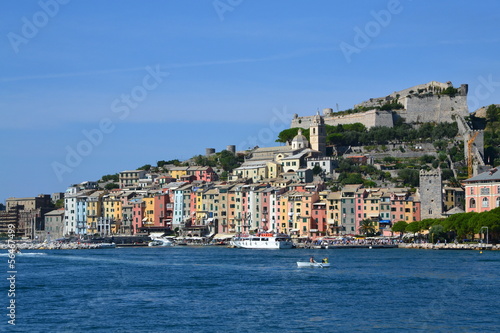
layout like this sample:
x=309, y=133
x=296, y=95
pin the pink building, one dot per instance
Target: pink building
x=398, y=206
x=138, y=207
x=206, y=174
x=359, y=207
x=163, y=210
x=482, y=192
x=319, y=226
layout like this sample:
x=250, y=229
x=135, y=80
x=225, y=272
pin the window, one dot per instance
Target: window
x=486, y=202
x=498, y=202
x=472, y=203
x=485, y=190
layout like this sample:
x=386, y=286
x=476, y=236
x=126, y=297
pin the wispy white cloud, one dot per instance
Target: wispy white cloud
x=435, y=43
x=282, y=56
x=69, y=74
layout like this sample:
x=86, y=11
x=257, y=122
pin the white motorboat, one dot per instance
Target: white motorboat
x=161, y=242
x=313, y=264
x=262, y=241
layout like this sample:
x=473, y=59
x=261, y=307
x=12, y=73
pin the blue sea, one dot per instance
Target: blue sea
x=219, y=289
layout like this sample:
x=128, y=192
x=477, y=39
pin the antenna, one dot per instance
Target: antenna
x=337, y=105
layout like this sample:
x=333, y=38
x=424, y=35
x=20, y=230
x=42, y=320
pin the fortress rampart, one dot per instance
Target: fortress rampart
x=369, y=119
x=421, y=103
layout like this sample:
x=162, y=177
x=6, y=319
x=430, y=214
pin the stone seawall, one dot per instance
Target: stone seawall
x=442, y=246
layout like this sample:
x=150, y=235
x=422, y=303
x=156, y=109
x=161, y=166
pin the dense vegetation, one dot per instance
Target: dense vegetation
x=225, y=160
x=492, y=135
x=357, y=135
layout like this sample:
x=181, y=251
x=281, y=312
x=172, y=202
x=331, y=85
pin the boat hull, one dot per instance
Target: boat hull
x=312, y=264
x=160, y=242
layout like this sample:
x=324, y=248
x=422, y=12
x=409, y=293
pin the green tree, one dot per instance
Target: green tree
x=224, y=175
x=317, y=170
x=287, y=135
x=107, y=178
x=350, y=178
x=400, y=227
x=436, y=232
x=492, y=113
x=111, y=186
x=59, y=204
x=413, y=227
x=145, y=167
x=228, y=161
x=409, y=177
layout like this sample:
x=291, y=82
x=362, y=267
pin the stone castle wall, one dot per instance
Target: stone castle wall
x=369, y=119
x=436, y=108
x=424, y=88
x=417, y=109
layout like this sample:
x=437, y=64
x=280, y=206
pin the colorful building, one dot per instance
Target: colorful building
x=482, y=192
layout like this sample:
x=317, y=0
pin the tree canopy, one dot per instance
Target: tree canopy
x=400, y=226
x=357, y=134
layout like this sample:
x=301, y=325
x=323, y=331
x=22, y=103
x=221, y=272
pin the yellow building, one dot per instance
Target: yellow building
x=371, y=206
x=94, y=214
x=296, y=209
x=257, y=170
x=149, y=211
x=284, y=214
x=333, y=213
x=178, y=172
x=112, y=210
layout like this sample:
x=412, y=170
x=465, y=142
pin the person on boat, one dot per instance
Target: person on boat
x=312, y=260
x=325, y=260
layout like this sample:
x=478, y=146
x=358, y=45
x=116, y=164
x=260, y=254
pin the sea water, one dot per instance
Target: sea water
x=218, y=289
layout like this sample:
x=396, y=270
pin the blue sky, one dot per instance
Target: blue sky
x=210, y=73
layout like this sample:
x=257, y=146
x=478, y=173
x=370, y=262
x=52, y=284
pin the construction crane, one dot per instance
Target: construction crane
x=470, y=158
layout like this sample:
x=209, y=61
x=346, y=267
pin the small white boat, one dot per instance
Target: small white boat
x=313, y=264
x=106, y=245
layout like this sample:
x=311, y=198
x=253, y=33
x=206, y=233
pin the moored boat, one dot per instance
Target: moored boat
x=106, y=245
x=262, y=241
x=161, y=242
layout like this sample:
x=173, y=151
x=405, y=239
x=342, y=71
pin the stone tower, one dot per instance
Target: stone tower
x=431, y=194
x=317, y=134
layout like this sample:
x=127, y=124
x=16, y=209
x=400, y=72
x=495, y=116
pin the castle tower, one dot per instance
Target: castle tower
x=431, y=194
x=317, y=134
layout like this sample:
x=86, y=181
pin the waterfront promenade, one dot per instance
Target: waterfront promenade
x=318, y=245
